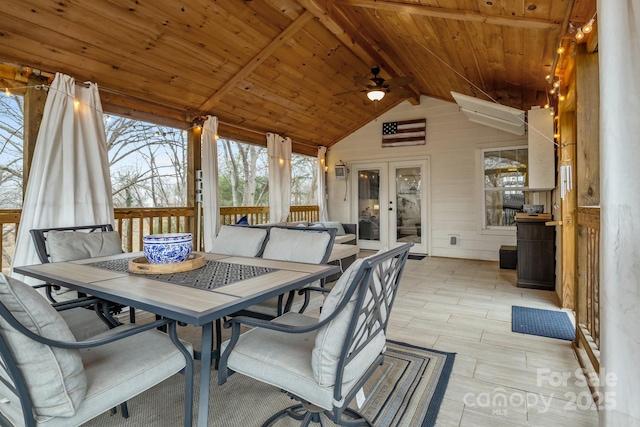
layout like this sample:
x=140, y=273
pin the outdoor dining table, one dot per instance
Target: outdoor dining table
x=225, y=285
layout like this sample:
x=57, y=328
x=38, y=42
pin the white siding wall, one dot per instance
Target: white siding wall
x=453, y=144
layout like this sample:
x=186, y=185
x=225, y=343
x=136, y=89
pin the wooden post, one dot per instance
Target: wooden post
x=566, y=125
x=194, y=163
x=588, y=108
x=34, y=101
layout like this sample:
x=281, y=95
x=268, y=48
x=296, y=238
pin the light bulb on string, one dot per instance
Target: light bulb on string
x=556, y=84
x=76, y=104
x=552, y=91
x=560, y=50
x=579, y=34
x=588, y=27
x=7, y=92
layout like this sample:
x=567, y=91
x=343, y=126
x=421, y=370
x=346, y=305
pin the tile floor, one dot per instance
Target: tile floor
x=500, y=378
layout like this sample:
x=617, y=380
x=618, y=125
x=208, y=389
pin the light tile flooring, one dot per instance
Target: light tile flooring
x=500, y=378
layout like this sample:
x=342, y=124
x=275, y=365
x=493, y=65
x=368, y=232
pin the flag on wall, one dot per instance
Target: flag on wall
x=408, y=132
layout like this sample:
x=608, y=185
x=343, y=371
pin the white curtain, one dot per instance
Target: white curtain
x=322, y=184
x=210, y=198
x=279, y=152
x=619, y=60
x=69, y=183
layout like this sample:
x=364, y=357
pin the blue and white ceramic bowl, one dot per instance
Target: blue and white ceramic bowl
x=167, y=248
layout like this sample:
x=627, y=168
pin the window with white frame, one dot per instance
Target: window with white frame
x=505, y=182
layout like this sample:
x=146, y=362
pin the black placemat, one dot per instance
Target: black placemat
x=212, y=275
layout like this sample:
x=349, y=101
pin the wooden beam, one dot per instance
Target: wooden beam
x=257, y=60
x=366, y=49
x=459, y=15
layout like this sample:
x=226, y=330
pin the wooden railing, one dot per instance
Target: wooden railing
x=9, y=221
x=588, y=292
x=133, y=223
x=260, y=214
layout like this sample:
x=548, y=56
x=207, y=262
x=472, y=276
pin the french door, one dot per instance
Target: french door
x=390, y=204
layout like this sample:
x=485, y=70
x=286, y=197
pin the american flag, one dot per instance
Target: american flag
x=408, y=132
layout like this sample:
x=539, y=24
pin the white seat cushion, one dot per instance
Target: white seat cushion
x=55, y=376
x=239, y=241
x=296, y=245
x=282, y=360
x=72, y=245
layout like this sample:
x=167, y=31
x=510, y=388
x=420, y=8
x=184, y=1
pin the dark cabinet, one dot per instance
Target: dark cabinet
x=536, y=255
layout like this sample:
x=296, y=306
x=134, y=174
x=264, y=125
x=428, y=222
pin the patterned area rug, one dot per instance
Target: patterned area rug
x=406, y=391
x=544, y=323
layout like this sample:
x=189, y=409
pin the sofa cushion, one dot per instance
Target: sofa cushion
x=243, y=221
x=346, y=239
x=55, y=376
x=239, y=241
x=342, y=251
x=333, y=224
x=72, y=245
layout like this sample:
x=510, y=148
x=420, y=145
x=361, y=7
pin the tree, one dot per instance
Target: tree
x=11, y=137
x=243, y=173
x=147, y=162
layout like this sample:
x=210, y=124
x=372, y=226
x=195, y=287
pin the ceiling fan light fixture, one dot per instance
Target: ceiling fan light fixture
x=375, y=94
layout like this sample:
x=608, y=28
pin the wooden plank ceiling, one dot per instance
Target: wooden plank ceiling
x=275, y=65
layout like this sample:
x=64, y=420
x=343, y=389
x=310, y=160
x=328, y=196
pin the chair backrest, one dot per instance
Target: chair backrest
x=300, y=244
x=356, y=313
x=238, y=240
x=36, y=378
x=70, y=243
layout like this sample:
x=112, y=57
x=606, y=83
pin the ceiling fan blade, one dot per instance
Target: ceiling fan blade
x=399, y=81
x=362, y=80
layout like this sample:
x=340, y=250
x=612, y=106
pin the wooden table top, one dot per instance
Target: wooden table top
x=182, y=303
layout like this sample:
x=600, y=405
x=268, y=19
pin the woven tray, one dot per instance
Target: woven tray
x=142, y=266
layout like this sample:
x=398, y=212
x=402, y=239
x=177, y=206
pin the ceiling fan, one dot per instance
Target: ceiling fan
x=377, y=87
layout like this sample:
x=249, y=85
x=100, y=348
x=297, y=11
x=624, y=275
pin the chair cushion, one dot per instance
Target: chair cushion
x=296, y=245
x=282, y=360
x=55, y=377
x=72, y=245
x=330, y=338
x=239, y=241
x=335, y=224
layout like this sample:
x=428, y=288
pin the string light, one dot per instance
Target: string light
x=588, y=27
x=560, y=50
x=76, y=104
x=7, y=92
x=579, y=34
x=556, y=84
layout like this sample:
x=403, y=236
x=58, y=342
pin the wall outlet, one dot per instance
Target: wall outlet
x=454, y=240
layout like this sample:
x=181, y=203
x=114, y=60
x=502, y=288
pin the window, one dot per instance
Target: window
x=505, y=185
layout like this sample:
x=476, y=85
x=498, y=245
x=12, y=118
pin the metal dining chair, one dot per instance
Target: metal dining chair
x=323, y=363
